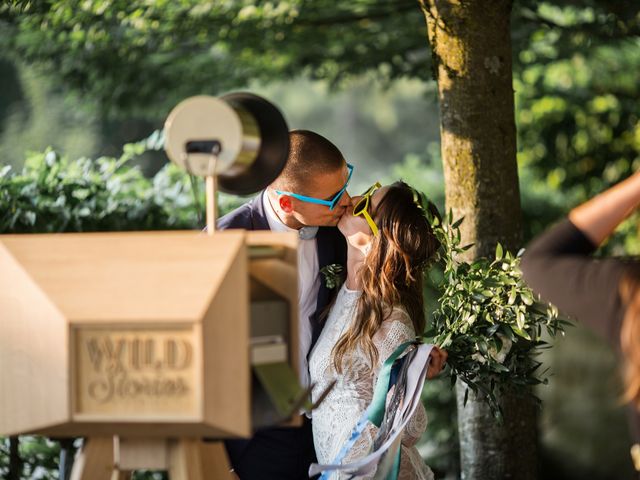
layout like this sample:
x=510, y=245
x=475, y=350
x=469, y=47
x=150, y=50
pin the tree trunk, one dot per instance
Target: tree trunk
x=471, y=48
x=491, y=450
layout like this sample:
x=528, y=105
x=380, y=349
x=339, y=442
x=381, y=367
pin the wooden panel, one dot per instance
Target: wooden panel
x=141, y=453
x=151, y=276
x=52, y=285
x=138, y=373
x=33, y=354
x=226, y=352
x=266, y=237
x=281, y=275
x=185, y=461
x=215, y=462
x=95, y=461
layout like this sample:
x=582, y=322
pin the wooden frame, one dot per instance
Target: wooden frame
x=58, y=290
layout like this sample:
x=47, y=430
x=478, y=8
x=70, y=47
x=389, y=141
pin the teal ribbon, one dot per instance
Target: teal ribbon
x=395, y=471
x=376, y=408
x=375, y=412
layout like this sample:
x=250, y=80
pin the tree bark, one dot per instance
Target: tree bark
x=471, y=49
x=491, y=450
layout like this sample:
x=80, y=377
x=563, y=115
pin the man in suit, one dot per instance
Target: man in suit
x=309, y=197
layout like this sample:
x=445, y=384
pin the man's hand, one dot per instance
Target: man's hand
x=437, y=360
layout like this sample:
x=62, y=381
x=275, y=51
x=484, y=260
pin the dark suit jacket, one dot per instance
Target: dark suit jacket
x=282, y=453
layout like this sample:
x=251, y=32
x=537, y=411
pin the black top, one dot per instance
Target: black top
x=558, y=265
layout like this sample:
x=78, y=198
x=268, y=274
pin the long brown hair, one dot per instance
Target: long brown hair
x=630, y=336
x=392, y=273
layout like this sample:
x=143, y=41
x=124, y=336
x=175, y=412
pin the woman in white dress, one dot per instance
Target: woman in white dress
x=379, y=307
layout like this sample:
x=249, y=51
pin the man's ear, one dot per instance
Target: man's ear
x=285, y=203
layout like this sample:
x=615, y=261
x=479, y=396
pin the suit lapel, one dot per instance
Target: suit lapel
x=258, y=215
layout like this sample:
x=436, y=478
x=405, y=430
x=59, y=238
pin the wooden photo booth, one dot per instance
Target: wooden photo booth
x=144, y=335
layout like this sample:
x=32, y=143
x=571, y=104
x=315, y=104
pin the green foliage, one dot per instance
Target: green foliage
x=4, y=457
x=135, y=53
x=333, y=275
x=577, y=95
x=440, y=447
x=56, y=194
x=487, y=319
x=38, y=455
x=35, y=115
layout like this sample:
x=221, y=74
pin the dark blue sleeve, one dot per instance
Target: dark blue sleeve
x=238, y=218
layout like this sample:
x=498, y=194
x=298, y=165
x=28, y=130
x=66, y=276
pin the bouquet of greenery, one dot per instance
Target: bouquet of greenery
x=488, y=320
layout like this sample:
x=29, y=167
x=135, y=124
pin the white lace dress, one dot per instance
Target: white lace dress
x=336, y=416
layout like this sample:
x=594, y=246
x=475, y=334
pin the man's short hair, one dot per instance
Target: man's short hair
x=309, y=154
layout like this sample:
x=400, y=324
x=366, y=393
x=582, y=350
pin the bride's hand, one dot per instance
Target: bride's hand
x=437, y=360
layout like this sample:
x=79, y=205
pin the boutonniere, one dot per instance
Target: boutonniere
x=332, y=275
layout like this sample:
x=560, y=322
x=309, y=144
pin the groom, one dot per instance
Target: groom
x=309, y=197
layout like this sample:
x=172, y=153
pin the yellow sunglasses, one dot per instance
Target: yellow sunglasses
x=361, y=208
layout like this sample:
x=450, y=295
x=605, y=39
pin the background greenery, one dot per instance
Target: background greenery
x=80, y=79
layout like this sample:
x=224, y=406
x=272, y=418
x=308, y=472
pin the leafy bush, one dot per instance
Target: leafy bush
x=488, y=319
x=55, y=194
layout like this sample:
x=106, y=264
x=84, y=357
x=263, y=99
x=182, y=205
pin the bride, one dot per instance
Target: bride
x=379, y=307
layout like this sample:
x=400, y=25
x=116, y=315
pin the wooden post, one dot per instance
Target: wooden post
x=95, y=460
x=106, y=458
x=212, y=203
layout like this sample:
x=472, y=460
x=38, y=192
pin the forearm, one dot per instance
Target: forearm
x=598, y=218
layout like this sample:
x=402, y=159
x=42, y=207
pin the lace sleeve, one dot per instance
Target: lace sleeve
x=396, y=330
x=416, y=427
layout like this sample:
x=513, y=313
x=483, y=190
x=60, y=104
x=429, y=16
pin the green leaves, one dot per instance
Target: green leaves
x=487, y=318
x=55, y=194
x=333, y=275
x=136, y=54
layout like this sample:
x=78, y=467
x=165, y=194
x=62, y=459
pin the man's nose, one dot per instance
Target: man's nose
x=345, y=200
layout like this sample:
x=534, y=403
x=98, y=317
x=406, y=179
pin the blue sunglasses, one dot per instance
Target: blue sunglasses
x=330, y=203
